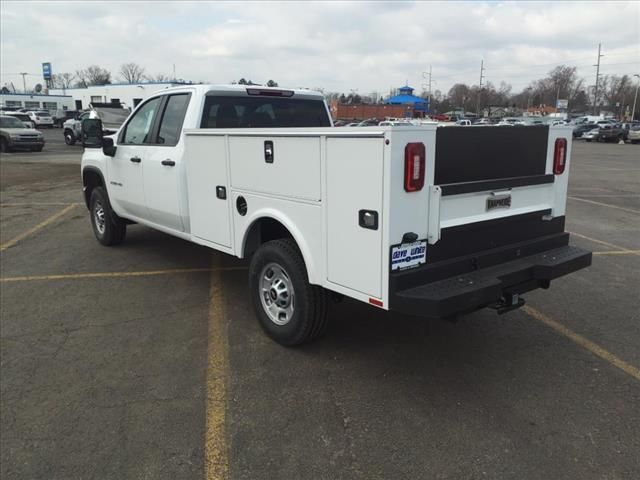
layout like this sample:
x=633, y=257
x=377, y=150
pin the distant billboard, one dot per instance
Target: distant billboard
x=46, y=71
x=562, y=104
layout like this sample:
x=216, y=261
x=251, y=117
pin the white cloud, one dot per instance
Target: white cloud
x=335, y=45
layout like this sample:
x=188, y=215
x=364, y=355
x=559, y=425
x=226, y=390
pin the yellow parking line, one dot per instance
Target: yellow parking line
x=601, y=242
x=216, y=456
x=618, y=252
x=604, y=204
x=144, y=273
x=583, y=342
x=34, y=204
x=38, y=227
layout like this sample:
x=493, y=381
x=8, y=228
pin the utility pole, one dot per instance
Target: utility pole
x=24, y=83
x=635, y=98
x=595, y=93
x=482, y=69
x=424, y=75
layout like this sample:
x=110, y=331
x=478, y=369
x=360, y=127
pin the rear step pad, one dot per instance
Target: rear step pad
x=487, y=286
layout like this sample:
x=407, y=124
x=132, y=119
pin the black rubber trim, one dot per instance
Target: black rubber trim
x=491, y=185
x=475, y=238
x=470, y=291
x=86, y=170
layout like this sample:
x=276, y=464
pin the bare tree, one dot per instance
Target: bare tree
x=93, y=75
x=63, y=80
x=459, y=95
x=159, y=77
x=131, y=72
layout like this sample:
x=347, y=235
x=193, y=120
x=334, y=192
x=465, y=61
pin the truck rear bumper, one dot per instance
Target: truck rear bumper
x=483, y=287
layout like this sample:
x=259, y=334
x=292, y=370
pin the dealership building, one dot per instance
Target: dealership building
x=79, y=98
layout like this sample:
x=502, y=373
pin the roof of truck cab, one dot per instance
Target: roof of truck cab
x=205, y=89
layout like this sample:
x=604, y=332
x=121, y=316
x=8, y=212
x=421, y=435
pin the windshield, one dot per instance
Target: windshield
x=42, y=114
x=10, y=122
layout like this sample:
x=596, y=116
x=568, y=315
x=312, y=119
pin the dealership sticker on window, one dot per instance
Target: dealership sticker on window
x=408, y=255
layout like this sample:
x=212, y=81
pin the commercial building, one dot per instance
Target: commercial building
x=125, y=93
x=36, y=101
x=403, y=105
x=406, y=97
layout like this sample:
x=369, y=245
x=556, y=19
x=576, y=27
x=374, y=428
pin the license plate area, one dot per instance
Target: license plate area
x=498, y=201
x=408, y=255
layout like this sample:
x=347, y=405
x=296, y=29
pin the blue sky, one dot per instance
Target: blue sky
x=337, y=46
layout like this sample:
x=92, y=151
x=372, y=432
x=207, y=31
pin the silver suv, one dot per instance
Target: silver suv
x=14, y=136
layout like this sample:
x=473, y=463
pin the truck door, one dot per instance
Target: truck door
x=126, y=188
x=163, y=166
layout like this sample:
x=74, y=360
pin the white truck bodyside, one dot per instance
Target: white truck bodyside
x=318, y=182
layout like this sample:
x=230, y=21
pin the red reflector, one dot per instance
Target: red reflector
x=414, y=167
x=560, y=156
x=375, y=302
x=269, y=93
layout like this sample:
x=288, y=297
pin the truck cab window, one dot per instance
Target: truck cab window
x=172, y=118
x=263, y=112
x=139, y=127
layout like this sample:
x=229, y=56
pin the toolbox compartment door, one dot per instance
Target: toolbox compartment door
x=354, y=184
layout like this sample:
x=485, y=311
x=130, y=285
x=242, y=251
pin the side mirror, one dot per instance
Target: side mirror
x=91, y=133
x=108, y=148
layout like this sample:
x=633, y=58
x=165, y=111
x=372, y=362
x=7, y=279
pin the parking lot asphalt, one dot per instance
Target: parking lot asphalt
x=145, y=360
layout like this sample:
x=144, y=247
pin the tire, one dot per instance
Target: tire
x=108, y=228
x=69, y=137
x=4, y=146
x=278, y=278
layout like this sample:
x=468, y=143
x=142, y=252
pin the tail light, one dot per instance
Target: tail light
x=414, y=167
x=560, y=156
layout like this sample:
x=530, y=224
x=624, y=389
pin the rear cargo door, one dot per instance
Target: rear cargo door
x=494, y=186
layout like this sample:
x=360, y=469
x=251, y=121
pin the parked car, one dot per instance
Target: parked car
x=464, y=123
x=612, y=133
x=511, y=121
x=369, y=122
x=111, y=116
x=14, y=136
x=634, y=134
x=591, y=134
x=387, y=123
x=41, y=118
x=23, y=117
x=578, y=130
x=62, y=116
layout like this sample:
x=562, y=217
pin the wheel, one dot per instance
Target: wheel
x=290, y=310
x=107, y=227
x=69, y=137
x=4, y=146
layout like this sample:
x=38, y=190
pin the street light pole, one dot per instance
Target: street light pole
x=635, y=98
x=24, y=83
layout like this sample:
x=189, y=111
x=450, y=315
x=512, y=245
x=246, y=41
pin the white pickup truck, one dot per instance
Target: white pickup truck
x=425, y=220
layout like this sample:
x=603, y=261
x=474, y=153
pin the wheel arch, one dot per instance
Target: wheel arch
x=270, y=225
x=92, y=177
